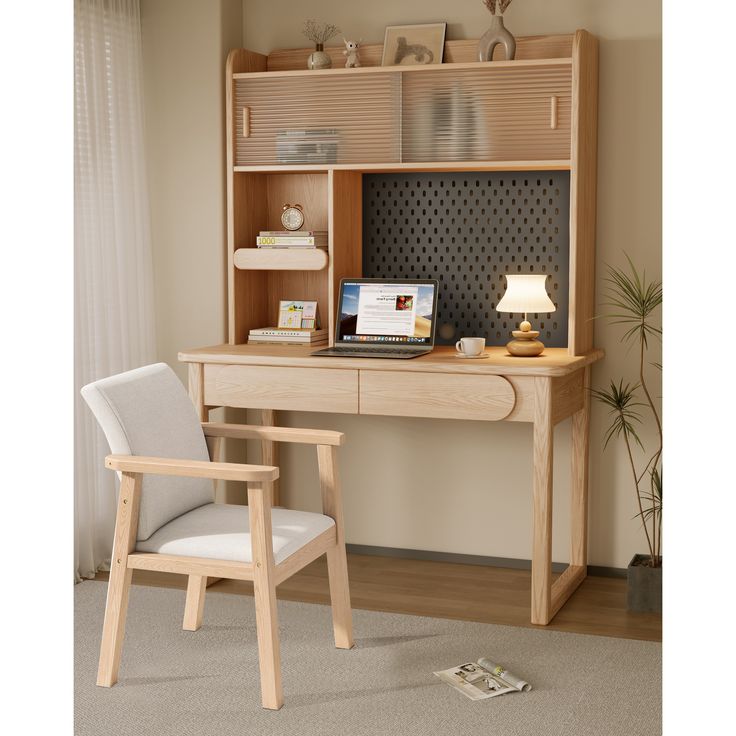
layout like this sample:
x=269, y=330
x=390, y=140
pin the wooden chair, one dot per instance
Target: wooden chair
x=167, y=521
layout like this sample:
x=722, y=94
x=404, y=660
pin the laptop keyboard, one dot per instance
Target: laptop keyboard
x=386, y=351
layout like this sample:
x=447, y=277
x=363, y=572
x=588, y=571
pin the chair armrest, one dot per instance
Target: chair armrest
x=273, y=434
x=191, y=468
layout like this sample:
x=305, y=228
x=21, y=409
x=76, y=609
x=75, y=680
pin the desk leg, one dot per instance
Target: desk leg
x=270, y=451
x=579, y=479
x=542, y=513
x=196, y=390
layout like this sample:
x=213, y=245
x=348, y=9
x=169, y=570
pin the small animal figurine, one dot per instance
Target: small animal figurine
x=351, y=51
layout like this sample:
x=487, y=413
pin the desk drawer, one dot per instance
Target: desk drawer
x=270, y=387
x=440, y=395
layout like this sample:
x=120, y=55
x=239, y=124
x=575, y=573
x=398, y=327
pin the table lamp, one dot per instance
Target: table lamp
x=525, y=294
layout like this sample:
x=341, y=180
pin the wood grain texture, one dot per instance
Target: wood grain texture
x=297, y=389
x=304, y=556
x=583, y=192
x=274, y=434
x=579, y=478
x=450, y=590
x=387, y=167
x=553, y=362
x=567, y=395
x=116, y=607
x=280, y=259
x=464, y=51
x=191, y=566
x=329, y=483
x=565, y=586
x=196, y=391
x=444, y=396
x=264, y=592
x=243, y=200
x=190, y=468
x=270, y=451
x=194, y=605
x=542, y=503
x=345, y=190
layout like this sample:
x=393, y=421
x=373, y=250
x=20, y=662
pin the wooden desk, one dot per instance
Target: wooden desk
x=543, y=391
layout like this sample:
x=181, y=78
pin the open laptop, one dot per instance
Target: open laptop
x=385, y=318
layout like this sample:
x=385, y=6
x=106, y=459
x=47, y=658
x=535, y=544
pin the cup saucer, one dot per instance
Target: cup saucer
x=462, y=356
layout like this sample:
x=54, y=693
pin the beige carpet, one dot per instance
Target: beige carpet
x=183, y=683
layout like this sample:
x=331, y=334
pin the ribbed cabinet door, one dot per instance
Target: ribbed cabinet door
x=317, y=120
x=487, y=114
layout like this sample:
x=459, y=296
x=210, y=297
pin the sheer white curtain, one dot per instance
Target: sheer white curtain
x=114, y=324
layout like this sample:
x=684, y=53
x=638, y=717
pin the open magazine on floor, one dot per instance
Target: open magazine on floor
x=482, y=679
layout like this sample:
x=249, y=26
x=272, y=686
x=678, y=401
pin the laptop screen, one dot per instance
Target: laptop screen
x=387, y=312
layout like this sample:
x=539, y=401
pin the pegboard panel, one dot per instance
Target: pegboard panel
x=469, y=229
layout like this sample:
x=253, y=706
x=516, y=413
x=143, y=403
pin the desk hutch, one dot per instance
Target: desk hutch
x=455, y=161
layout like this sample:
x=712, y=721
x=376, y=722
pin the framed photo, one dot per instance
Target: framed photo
x=409, y=45
x=297, y=315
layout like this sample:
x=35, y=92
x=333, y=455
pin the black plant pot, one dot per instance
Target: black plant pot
x=645, y=586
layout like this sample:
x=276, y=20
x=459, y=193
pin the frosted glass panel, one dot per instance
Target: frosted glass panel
x=320, y=120
x=486, y=114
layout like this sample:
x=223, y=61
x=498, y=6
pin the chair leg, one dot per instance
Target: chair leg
x=264, y=591
x=194, y=607
x=342, y=616
x=113, y=630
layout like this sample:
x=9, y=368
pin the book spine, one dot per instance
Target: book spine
x=289, y=233
x=281, y=341
x=289, y=240
x=289, y=333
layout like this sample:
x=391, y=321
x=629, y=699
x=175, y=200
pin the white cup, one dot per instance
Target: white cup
x=470, y=346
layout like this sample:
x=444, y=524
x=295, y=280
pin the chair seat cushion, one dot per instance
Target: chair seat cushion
x=222, y=532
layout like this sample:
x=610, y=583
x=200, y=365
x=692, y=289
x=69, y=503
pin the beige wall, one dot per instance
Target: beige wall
x=425, y=484
x=185, y=44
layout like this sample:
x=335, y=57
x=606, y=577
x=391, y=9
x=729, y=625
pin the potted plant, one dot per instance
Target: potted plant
x=633, y=302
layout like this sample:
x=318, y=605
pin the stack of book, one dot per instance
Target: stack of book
x=286, y=336
x=292, y=239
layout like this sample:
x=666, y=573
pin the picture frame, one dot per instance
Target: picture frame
x=412, y=45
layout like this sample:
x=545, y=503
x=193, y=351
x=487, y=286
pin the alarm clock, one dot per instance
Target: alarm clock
x=292, y=216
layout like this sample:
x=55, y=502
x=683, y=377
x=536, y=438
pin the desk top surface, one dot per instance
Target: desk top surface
x=553, y=362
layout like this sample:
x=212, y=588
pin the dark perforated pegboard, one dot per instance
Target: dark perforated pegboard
x=468, y=230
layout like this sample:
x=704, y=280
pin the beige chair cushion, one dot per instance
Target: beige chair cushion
x=146, y=411
x=222, y=532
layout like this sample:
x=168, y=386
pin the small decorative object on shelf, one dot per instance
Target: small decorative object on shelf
x=412, y=45
x=351, y=51
x=497, y=33
x=525, y=294
x=292, y=216
x=298, y=315
x=319, y=34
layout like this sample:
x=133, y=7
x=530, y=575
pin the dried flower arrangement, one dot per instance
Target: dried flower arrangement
x=319, y=33
x=502, y=5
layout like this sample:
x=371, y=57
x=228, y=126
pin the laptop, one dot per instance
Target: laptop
x=385, y=318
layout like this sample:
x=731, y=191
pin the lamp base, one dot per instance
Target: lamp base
x=525, y=344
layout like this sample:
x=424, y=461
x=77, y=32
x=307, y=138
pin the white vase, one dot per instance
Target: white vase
x=496, y=34
x=319, y=59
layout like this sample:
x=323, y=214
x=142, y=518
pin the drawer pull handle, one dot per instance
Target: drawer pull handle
x=553, y=113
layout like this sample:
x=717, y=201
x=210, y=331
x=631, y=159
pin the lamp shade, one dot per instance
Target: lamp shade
x=526, y=294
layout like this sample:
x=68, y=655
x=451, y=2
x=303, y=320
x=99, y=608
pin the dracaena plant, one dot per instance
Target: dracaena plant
x=633, y=302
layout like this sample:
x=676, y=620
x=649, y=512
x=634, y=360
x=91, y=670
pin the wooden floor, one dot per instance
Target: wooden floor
x=450, y=590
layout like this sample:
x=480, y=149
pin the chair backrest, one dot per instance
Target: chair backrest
x=146, y=411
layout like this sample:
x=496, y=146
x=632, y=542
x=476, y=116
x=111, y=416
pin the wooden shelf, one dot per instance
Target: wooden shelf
x=280, y=259
x=557, y=165
x=408, y=69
